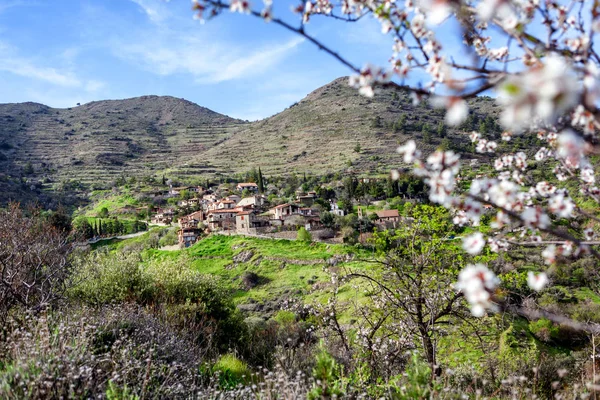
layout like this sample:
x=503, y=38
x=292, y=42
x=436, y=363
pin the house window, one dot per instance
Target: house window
x=242, y=219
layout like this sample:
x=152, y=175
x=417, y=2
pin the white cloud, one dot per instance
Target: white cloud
x=257, y=62
x=26, y=68
x=33, y=70
x=209, y=62
x=154, y=9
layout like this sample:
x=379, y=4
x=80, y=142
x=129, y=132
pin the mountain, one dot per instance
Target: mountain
x=331, y=129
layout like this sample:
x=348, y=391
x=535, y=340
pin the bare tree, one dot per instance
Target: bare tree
x=34, y=260
x=415, y=289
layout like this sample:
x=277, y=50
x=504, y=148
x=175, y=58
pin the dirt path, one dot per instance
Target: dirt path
x=122, y=237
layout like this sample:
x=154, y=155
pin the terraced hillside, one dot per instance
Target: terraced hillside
x=330, y=130
x=99, y=141
x=334, y=128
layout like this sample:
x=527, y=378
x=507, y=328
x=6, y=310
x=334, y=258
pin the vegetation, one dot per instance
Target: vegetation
x=237, y=314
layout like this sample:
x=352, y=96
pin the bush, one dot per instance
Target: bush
x=169, y=239
x=104, y=278
x=183, y=296
x=327, y=374
x=35, y=261
x=119, y=352
x=304, y=235
x=231, y=371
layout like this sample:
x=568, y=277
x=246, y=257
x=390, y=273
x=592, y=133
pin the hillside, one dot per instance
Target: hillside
x=320, y=133
x=102, y=140
x=330, y=130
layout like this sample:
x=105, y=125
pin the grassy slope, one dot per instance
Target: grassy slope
x=282, y=265
x=287, y=268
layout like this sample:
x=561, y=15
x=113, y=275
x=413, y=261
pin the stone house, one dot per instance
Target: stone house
x=388, y=217
x=192, y=220
x=163, y=216
x=188, y=236
x=250, y=186
x=307, y=199
x=252, y=202
x=284, y=211
x=223, y=219
x=248, y=222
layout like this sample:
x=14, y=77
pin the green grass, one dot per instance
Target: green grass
x=287, y=268
x=111, y=203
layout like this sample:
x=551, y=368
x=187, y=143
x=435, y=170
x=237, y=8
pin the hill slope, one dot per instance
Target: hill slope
x=99, y=141
x=334, y=128
x=329, y=130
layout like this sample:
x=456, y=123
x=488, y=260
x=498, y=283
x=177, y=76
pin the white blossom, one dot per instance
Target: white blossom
x=478, y=283
x=542, y=93
x=561, y=205
x=549, y=254
x=537, y=281
x=409, y=151
x=474, y=243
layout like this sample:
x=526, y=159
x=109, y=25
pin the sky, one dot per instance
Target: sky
x=65, y=52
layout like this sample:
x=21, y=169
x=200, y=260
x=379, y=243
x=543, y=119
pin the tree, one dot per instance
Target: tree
x=548, y=87
x=82, y=228
x=357, y=148
x=400, y=124
x=185, y=195
x=34, y=261
x=28, y=169
x=328, y=220
x=425, y=133
x=376, y=122
x=103, y=213
x=60, y=220
x=261, y=183
x=441, y=130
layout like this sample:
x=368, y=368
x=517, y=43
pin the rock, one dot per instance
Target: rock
x=243, y=256
x=248, y=307
x=250, y=280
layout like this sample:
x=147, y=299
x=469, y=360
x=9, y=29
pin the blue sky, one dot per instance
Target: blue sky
x=65, y=52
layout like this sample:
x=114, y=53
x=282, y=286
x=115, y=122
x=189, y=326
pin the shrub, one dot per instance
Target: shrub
x=327, y=374
x=183, y=296
x=304, y=235
x=115, y=352
x=169, y=239
x=35, y=261
x=231, y=371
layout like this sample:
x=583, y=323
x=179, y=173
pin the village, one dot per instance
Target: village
x=248, y=212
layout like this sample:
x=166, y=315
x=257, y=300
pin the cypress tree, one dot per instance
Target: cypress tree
x=261, y=184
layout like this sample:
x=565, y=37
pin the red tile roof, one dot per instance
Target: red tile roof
x=387, y=213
